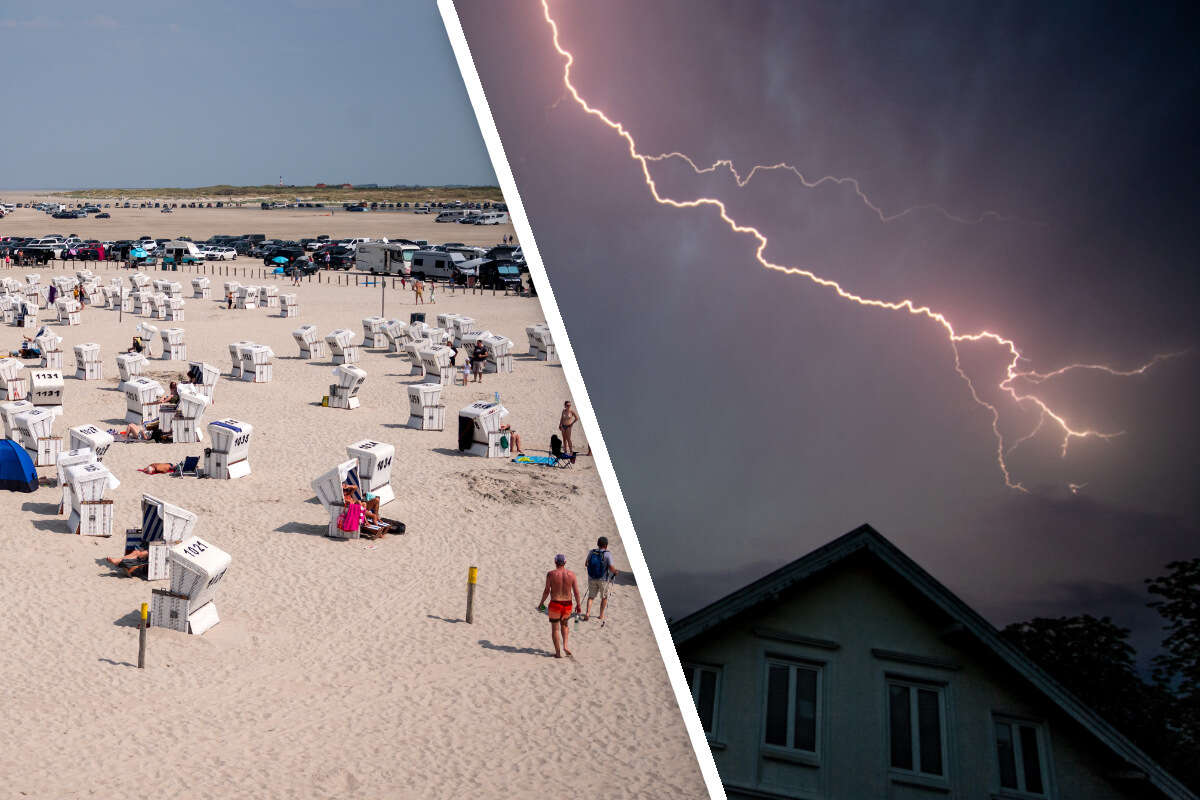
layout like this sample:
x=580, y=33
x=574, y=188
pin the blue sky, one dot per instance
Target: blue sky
x=187, y=94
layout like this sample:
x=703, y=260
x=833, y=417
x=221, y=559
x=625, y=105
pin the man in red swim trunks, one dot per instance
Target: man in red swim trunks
x=560, y=586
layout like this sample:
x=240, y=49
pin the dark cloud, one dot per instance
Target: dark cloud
x=752, y=417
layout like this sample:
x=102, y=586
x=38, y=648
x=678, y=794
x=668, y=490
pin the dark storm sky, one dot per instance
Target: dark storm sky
x=752, y=416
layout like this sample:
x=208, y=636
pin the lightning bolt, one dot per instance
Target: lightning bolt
x=809, y=183
x=1013, y=374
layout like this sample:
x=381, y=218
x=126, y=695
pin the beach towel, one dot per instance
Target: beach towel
x=546, y=461
x=352, y=518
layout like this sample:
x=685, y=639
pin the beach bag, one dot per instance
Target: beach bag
x=351, y=519
x=596, y=568
x=555, y=445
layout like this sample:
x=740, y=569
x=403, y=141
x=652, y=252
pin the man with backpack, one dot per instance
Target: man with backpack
x=600, y=572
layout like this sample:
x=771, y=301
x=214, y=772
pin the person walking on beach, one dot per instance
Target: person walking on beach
x=600, y=572
x=479, y=355
x=565, y=423
x=560, y=586
x=229, y=299
x=419, y=291
x=432, y=286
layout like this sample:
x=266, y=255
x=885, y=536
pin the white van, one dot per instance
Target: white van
x=435, y=263
x=492, y=218
x=353, y=242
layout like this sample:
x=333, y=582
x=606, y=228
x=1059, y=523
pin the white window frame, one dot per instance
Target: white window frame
x=793, y=664
x=914, y=722
x=1043, y=745
x=695, y=687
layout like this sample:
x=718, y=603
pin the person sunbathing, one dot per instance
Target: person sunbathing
x=158, y=468
x=350, y=494
x=140, y=560
x=136, y=346
x=135, y=432
x=172, y=397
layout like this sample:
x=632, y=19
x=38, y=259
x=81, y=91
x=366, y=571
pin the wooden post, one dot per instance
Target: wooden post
x=472, y=576
x=142, y=626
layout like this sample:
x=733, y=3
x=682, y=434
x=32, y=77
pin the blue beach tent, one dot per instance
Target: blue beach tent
x=16, y=468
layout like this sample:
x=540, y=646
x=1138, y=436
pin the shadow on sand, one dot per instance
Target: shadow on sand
x=446, y=451
x=130, y=620
x=303, y=527
x=117, y=663
x=508, y=648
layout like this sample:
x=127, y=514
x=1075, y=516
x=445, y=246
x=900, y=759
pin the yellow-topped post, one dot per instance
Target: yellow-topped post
x=472, y=578
x=142, y=626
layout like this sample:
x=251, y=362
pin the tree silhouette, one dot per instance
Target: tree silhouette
x=1093, y=659
x=1177, y=668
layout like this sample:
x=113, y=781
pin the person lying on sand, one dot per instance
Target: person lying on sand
x=158, y=468
x=131, y=562
x=136, y=346
x=135, y=432
x=560, y=586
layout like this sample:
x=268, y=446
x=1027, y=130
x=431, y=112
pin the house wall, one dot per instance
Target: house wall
x=857, y=609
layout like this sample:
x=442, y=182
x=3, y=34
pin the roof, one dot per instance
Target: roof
x=866, y=540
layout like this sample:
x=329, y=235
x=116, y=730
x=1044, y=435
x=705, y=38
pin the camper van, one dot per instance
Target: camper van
x=385, y=259
x=435, y=263
x=182, y=252
x=492, y=218
x=451, y=216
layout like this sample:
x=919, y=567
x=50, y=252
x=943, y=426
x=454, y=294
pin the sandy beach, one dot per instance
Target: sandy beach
x=339, y=668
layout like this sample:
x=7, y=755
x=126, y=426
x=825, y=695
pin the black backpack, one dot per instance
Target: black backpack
x=555, y=445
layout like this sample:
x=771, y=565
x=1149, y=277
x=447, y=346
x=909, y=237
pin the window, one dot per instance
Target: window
x=915, y=737
x=1020, y=750
x=792, y=705
x=704, y=683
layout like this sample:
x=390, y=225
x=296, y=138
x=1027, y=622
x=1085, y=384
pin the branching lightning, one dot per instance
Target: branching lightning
x=1016, y=380
x=814, y=184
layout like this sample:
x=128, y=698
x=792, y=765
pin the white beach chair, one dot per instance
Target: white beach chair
x=479, y=431
x=425, y=409
x=196, y=570
x=344, y=393
x=374, y=467
x=228, y=456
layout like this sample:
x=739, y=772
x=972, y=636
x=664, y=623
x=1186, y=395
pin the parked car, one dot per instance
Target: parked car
x=290, y=253
x=104, y=215
x=303, y=265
